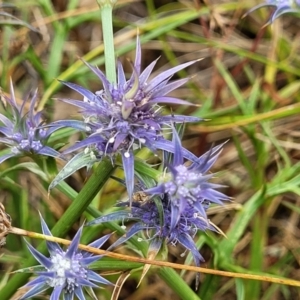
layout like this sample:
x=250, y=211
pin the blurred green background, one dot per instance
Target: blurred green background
x=247, y=88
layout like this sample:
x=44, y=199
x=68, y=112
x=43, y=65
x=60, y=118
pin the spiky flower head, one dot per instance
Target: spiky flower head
x=126, y=115
x=189, y=186
x=174, y=210
x=67, y=271
x=154, y=219
x=22, y=132
x=280, y=7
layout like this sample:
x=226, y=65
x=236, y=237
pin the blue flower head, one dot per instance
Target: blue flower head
x=67, y=271
x=126, y=115
x=22, y=132
x=281, y=7
x=187, y=186
x=175, y=209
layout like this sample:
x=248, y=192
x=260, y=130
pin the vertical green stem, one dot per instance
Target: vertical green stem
x=260, y=223
x=108, y=39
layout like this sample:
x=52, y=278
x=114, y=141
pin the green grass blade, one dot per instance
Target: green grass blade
x=177, y=284
x=86, y=195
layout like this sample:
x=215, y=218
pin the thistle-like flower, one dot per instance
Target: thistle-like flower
x=281, y=7
x=65, y=271
x=23, y=132
x=187, y=186
x=174, y=210
x=126, y=115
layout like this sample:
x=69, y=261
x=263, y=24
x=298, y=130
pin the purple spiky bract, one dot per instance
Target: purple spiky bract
x=126, y=115
x=176, y=209
x=281, y=7
x=22, y=131
x=67, y=271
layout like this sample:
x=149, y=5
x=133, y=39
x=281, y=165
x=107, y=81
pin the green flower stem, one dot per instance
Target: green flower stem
x=177, y=284
x=75, y=210
x=113, y=226
x=108, y=39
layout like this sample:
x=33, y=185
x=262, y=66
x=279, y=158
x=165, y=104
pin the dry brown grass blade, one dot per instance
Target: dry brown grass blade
x=119, y=284
x=284, y=281
x=151, y=256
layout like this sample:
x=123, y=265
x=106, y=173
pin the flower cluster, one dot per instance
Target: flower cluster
x=126, y=115
x=23, y=133
x=65, y=271
x=281, y=7
x=182, y=199
x=123, y=116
